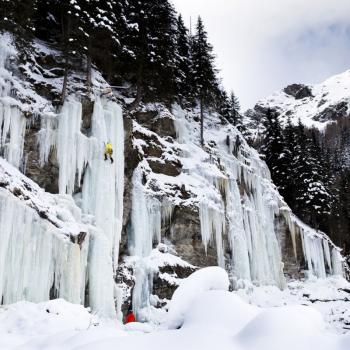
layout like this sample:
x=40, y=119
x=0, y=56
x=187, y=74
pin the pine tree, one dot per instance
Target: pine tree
x=235, y=117
x=313, y=200
x=17, y=16
x=222, y=105
x=289, y=156
x=183, y=62
x=152, y=39
x=101, y=26
x=204, y=75
x=273, y=149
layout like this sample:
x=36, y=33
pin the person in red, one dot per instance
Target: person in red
x=130, y=317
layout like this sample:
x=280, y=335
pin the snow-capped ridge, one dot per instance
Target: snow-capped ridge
x=316, y=109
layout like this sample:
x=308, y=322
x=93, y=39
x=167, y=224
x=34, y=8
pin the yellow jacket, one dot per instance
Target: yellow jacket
x=109, y=148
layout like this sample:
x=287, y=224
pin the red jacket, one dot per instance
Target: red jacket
x=130, y=317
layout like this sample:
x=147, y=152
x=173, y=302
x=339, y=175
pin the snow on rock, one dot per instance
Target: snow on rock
x=315, y=108
x=210, y=278
x=328, y=296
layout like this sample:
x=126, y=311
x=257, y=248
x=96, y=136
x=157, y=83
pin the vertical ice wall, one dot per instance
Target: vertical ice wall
x=73, y=147
x=321, y=256
x=146, y=223
x=103, y=185
x=36, y=261
x=77, y=154
x=81, y=159
x=12, y=121
x=100, y=275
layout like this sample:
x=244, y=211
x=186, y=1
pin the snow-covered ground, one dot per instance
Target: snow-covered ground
x=252, y=318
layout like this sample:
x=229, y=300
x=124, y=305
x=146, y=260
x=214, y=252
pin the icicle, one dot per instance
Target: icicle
x=212, y=225
x=327, y=254
x=146, y=219
x=337, y=262
x=238, y=238
x=12, y=131
x=100, y=272
x=321, y=257
x=12, y=121
x=103, y=185
x=72, y=147
x=47, y=137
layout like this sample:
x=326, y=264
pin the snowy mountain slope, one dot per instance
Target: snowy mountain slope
x=214, y=205
x=316, y=106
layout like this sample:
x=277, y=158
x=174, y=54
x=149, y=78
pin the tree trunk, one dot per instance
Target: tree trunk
x=65, y=80
x=88, y=75
x=139, y=87
x=65, y=37
x=202, y=121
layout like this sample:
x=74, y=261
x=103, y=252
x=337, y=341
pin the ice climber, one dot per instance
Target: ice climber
x=130, y=317
x=109, y=151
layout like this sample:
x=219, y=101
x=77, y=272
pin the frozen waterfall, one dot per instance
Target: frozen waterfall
x=46, y=252
x=36, y=260
x=146, y=229
x=238, y=206
x=322, y=257
x=103, y=185
x=82, y=157
x=12, y=120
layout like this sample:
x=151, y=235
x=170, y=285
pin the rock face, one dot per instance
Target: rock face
x=298, y=91
x=333, y=112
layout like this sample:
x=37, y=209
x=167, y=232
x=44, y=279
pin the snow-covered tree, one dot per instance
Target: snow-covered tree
x=18, y=16
x=204, y=74
x=273, y=149
x=313, y=199
x=235, y=117
x=183, y=62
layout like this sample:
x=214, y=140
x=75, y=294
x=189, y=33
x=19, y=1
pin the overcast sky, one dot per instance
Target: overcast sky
x=264, y=45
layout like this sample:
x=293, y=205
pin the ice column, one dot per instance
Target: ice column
x=213, y=227
x=236, y=232
x=146, y=229
x=12, y=131
x=12, y=121
x=100, y=275
x=73, y=147
x=103, y=185
x=322, y=257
